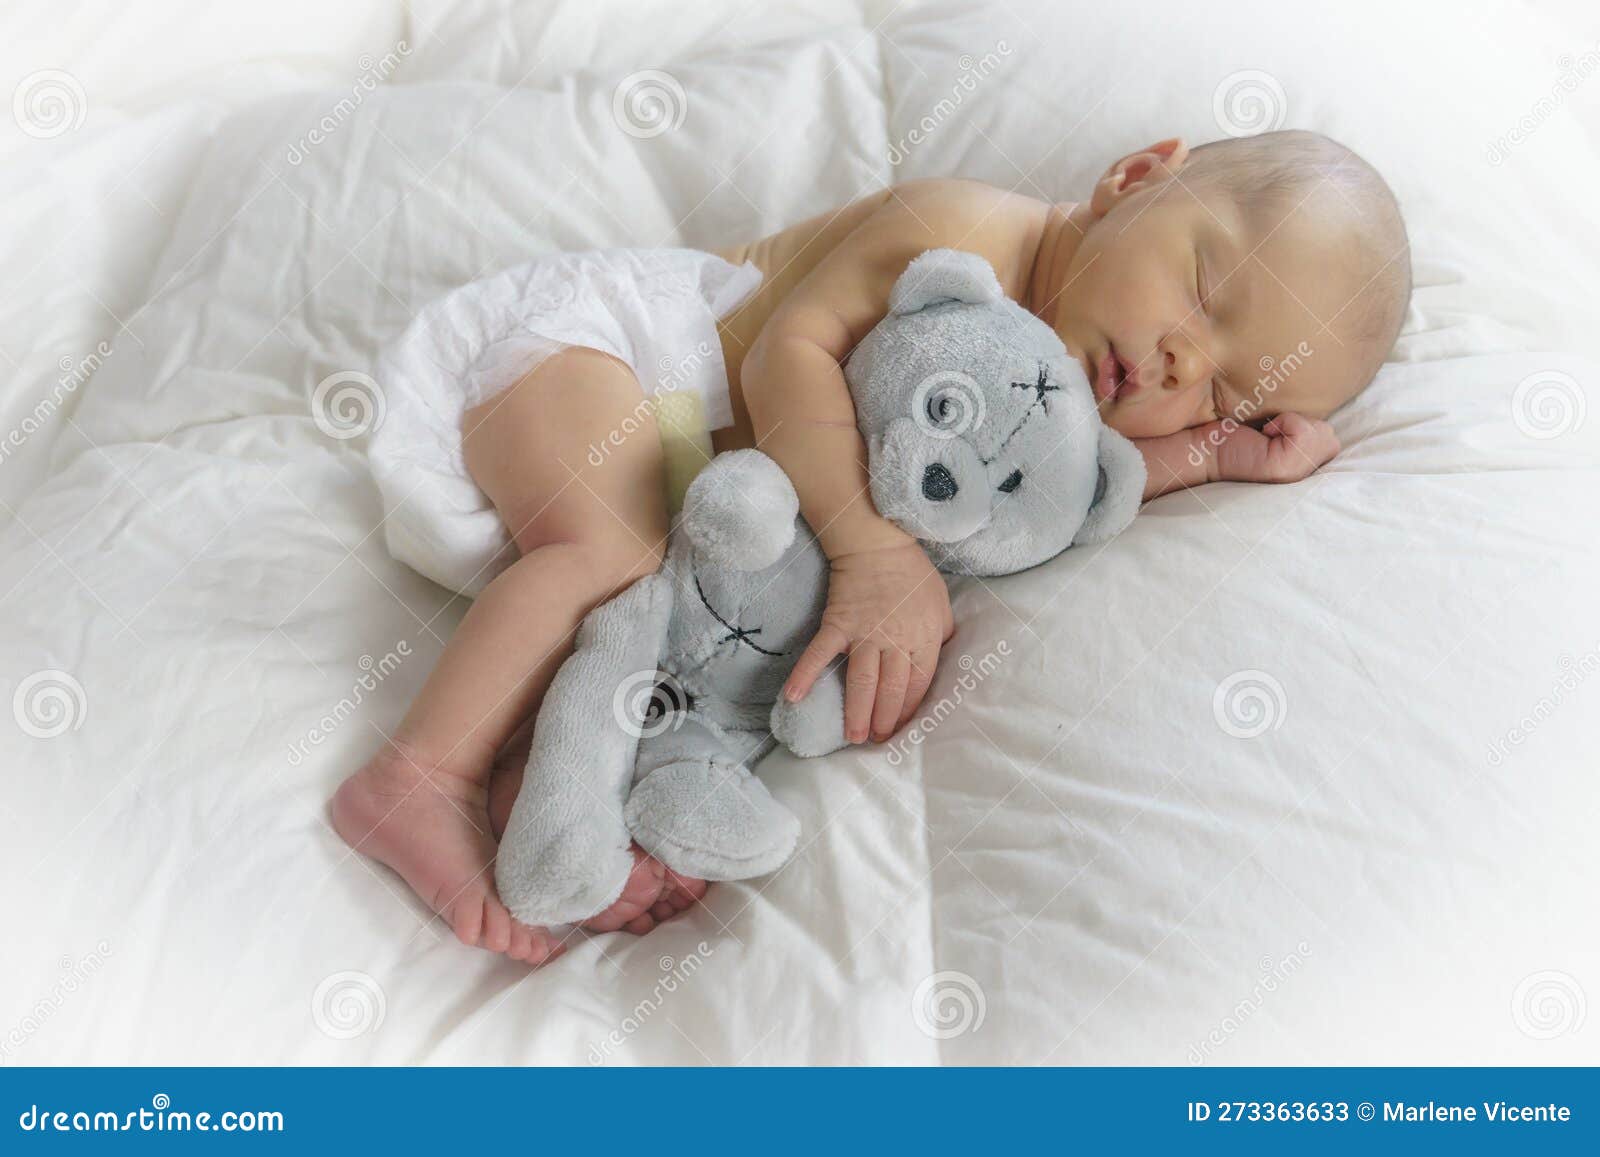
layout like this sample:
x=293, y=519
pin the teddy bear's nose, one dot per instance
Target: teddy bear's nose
x=938, y=484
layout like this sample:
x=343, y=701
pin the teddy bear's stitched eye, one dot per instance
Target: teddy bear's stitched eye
x=1013, y=480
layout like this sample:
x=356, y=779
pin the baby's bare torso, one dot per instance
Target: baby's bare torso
x=1002, y=226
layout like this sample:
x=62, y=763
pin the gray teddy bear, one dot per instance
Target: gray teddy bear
x=983, y=441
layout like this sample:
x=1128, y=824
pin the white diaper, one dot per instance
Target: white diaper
x=654, y=309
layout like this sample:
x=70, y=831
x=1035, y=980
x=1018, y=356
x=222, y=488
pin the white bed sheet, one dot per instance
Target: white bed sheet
x=1080, y=864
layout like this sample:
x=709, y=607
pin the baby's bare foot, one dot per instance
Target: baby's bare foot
x=433, y=829
x=654, y=892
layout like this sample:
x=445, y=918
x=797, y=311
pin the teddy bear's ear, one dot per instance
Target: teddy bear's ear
x=944, y=275
x=1118, y=492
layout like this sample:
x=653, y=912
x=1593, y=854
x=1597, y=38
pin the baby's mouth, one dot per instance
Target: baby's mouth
x=1110, y=377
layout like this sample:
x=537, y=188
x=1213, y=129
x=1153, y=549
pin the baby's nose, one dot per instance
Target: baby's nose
x=938, y=484
x=1183, y=364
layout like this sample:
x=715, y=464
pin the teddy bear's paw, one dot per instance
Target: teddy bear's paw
x=711, y=819
x=815, y=725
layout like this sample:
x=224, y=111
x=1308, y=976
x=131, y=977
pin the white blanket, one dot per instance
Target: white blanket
x=1283, y=774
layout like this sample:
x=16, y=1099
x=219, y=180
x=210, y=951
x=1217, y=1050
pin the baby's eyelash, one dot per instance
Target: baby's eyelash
x=1199, y=280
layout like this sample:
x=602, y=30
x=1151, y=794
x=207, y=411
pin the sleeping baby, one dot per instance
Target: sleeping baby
x=1222, y=301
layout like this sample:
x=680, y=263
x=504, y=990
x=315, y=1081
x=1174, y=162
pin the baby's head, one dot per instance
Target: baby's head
x=1242, y=279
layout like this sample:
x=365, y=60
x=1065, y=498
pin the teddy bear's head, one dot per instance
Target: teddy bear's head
x=982, y=435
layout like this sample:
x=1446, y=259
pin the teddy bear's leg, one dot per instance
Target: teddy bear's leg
x=815, y=725
x=697, y=808
x=565, y=853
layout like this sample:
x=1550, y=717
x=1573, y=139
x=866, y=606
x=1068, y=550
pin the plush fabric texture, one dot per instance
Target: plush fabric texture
x=983, y=441
x=565, y=853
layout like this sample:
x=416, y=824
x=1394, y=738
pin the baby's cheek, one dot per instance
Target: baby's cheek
x=1143, y=418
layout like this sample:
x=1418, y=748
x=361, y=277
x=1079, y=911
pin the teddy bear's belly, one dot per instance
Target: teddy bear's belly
x=735, y=635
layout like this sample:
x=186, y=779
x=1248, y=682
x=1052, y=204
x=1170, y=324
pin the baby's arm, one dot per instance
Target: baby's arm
x=887, y=605
x=1287, y=448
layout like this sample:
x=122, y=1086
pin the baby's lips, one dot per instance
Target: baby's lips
x=1105, y=376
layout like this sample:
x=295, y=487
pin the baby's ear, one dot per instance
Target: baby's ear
x=944, y=275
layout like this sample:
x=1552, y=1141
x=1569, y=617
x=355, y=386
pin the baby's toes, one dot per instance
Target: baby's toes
x=639, y=894
x=466, y=920
x=640, y=924
x=496, y=926
x=678, y=895
x=683, y=892
x=522, y=942
x=546, y=946
x=535, y=946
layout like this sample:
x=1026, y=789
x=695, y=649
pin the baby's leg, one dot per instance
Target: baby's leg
x=585, y=532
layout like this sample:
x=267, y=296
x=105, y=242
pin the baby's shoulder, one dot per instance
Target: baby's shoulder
x=998, y=224
x=961, y=201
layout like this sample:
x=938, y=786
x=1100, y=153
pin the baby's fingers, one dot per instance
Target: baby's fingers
x=1299, y=446
x=828, y=642
x=860, y=689
x=922, y=667
x=894, y=677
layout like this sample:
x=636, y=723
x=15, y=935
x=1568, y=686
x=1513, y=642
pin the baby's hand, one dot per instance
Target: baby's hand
x=1286, y=449
x=890, y=610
